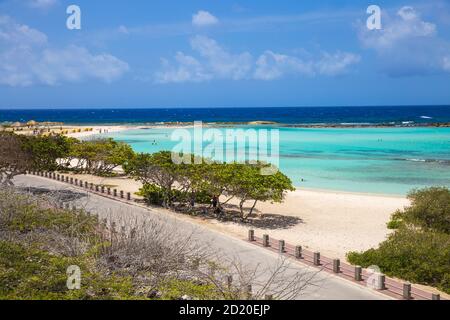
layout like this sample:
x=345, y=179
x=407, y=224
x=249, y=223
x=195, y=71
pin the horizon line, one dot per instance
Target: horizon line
x=222, y=107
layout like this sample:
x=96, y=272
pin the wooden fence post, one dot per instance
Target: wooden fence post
x=407, y=291
x=266, y=240
x=358, y=273
x=281, y=246
x=317, y=258
x=435, y=296
x=336, y=266
x=381, y=282
x=251, y=235
x=298, y=252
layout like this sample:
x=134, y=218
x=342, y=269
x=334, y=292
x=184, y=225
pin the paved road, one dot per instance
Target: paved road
x=326, y=286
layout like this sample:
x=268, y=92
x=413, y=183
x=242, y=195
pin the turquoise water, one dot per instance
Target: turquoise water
x=385, y=161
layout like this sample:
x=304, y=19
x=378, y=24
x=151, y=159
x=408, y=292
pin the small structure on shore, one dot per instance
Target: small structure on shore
x=31, y=124
x=16, y=126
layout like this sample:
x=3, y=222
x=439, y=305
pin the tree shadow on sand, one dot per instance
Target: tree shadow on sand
x=232, y=214
x=63, y=195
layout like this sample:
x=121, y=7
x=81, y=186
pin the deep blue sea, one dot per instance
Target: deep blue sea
x=375, y=160
x=301, y=115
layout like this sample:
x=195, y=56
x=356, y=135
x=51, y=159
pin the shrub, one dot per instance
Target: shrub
x=38, y=243
x=394, y=224
x=419, y=249
x=429, y=209
x=152, y=194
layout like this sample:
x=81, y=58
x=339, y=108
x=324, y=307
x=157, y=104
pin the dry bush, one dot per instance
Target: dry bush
x=152, y=252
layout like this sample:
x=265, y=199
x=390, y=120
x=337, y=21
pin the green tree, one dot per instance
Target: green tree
x=429, y=209
x=249, y=184
x=46, y=151
x=101, y=156
x=14, y=158
x=156, y=169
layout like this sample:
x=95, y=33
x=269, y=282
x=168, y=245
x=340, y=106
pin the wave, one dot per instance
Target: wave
x=440, y=161
x=426, y=117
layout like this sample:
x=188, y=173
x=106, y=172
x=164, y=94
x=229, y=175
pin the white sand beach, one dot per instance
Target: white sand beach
x=333, y=223
x=95, y=130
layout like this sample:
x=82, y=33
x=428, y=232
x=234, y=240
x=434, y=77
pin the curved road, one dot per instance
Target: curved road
x=325, y=286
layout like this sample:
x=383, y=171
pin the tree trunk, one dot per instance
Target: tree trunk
x=241, y=207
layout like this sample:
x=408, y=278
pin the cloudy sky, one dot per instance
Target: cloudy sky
x=223, y=54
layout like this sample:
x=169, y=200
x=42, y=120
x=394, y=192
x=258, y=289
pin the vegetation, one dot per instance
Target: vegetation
x=46, y=150
x=38, y=242
x=429, y=210
x=419, y=249
x=166, y=183
x=14, y=159
x=101, y=156
x=19, y=153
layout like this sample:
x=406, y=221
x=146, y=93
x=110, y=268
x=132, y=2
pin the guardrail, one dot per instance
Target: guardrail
x=364, y=277
x=377, y=281
x=91, y=187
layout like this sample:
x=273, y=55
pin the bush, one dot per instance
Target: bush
x=39, y=242
x=429, y=210
x=413, y=255
x=155, y=195
x=394, y=224
x=31, y=273
x=419, y=250
x=152, y=194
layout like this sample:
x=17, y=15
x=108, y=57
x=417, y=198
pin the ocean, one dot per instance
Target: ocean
x=302, y=115
x=379, y=160
x=369, y=160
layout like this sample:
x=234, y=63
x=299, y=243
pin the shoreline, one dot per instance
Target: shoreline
x=181, y=124
x=370, y=194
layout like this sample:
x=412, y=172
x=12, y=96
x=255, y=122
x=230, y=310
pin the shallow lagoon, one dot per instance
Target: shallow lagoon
x=370, y=160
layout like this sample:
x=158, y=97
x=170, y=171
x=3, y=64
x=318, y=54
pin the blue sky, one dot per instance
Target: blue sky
x=223, y=54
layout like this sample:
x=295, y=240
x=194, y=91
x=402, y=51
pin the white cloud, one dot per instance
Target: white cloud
x=204, y=18
x=42, y=4
x=407, y=45
x=26, y=58
x=124, y=30
x=446, y=63
x=215, y=62
x=188, y=69
x=16, y=34
x=270, y=66
x=222, y=63
x=336, y=64
x=406, y=24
